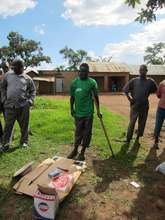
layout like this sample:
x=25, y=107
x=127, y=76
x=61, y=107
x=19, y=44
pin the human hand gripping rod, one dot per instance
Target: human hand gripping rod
x=104, y=129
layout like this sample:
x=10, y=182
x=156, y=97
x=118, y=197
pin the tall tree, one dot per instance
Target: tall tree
x=156, y=54
x=60, y=68
x=74, y=57
x=147, y=14
x=29, y=50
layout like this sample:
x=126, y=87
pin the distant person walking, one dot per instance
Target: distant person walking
x=82, y=90
x=18, y=93
x=160, y=115
x=137, y=91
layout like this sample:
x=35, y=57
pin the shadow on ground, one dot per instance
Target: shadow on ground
x=113, y=169
x=149, y=203
x=14, y=207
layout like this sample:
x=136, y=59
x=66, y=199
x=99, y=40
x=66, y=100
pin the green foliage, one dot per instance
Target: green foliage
x=156, y=54
x=29, y=50
x=60, y=68
x=147, y=14
x=74, y=57
x=132, y=3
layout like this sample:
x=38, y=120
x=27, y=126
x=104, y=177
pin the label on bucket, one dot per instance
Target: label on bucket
x=46, y=205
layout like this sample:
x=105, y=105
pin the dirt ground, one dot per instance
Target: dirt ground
x=119, y=104
x=100, y=197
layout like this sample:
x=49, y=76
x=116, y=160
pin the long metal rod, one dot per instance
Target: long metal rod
x=104, y=129
x=106, y=135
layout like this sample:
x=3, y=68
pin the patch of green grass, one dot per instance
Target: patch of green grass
x=52, y=127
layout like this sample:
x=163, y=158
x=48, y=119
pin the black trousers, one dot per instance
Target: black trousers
x=1, y=127
x=83, y=131
x=22, y=116
x=1, y=131
x=139, y=112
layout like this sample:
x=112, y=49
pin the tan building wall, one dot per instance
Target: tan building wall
x=67, y=79
x=45, y=88
x=104, y=80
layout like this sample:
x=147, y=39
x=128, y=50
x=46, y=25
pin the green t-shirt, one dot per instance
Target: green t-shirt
x=81, y=90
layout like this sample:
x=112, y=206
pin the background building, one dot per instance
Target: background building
x=111, y=77
x=157, y=72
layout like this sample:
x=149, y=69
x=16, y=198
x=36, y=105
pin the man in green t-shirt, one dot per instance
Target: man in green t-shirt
x=82, y=91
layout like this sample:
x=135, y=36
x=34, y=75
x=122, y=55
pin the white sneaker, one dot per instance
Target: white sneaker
x=24, y=145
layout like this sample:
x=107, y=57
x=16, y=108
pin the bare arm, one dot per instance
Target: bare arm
x=97, y=103
x=154, y=87
x=127, y=90
x=129, y=97
x=159, y=92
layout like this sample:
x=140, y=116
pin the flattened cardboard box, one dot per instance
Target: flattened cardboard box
x=28, y=184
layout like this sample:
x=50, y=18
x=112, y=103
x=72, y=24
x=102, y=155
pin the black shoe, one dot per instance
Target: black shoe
x=137, y=143
x=156, y=145
x=4, y=148
x=127, y=142
x=81, y=157
x=72, y=154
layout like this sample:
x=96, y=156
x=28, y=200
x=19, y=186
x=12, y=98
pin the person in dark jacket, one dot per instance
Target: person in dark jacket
x=137, y=91
x=18, y=93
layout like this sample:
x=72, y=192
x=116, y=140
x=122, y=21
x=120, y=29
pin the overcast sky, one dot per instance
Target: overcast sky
x=101, y=27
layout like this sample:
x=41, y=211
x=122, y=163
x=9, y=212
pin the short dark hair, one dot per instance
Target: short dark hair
x=144, y=66
x=17, y=61
x=84, y=67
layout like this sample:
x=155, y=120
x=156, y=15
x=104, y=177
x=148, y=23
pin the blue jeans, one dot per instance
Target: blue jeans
x=160, y=116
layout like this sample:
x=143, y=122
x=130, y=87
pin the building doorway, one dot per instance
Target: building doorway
x=59, y=85
x=116, y=83
x=100, y=82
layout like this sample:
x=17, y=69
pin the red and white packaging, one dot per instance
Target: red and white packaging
x=62, y=183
